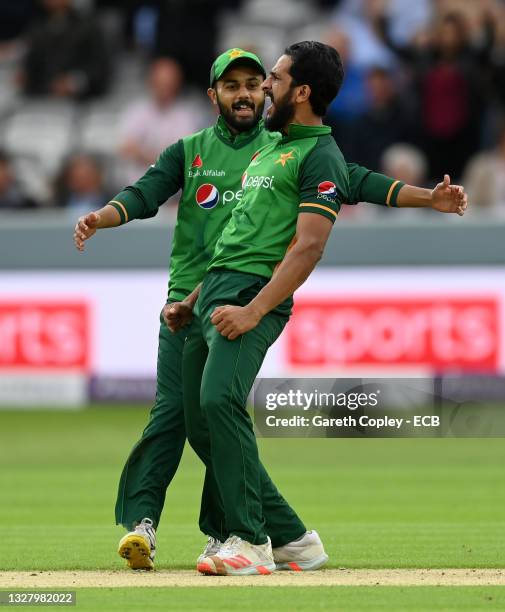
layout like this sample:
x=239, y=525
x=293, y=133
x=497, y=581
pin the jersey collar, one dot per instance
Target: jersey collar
x=295, y=131
x=239, y=140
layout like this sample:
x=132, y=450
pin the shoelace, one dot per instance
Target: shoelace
x=212, y=544
x=147, y=525
x=231, y=546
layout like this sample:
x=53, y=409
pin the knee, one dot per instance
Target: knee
x=196, y=433
x=217, y=407
x=199, y=442
x=210, y=404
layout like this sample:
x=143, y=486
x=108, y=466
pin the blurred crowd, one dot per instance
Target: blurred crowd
x=91, y=91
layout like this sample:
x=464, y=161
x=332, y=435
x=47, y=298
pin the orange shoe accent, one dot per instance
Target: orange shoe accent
x=295, y=567
x=244, y=560
x=220, y=566
x=233, y=563
x=204, y=568
x=263, y=570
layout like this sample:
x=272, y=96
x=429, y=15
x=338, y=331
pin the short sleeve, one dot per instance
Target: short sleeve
x=323, y=180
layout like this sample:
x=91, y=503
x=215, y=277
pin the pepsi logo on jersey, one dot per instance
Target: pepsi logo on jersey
x=207, y=196
x=327, y=190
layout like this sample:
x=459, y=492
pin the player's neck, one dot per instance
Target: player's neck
x=305, y=116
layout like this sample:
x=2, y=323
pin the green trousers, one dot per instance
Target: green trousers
x=218, y=375
x=154, y=460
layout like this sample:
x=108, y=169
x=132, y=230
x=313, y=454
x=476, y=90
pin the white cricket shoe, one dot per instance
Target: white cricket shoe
x=306, y=553
x=138, y=547
x=236, y=557
x=211, y=548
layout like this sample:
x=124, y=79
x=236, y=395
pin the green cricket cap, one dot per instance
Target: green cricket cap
x=226, y=59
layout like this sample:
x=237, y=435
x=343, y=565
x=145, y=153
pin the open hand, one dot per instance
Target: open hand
x=449, y=198
x=85, y=227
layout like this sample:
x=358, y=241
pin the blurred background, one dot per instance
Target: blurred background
x=91, y=91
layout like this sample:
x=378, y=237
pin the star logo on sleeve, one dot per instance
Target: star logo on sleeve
x=235, y=53
x=284, y=158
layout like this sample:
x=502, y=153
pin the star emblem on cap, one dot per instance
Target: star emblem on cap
x=284, y=158
x=235, y=53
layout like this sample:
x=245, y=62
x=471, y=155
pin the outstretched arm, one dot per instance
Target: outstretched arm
x=140, y=201
x=444, y=197
x=87, y=225
x=368, y=186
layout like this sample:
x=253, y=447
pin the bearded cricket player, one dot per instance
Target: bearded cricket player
x=209, y=169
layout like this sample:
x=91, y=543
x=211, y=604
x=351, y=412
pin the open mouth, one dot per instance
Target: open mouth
x=270, y=104
x=243, y=110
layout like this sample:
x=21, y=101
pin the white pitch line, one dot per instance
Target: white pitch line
x=187, y=578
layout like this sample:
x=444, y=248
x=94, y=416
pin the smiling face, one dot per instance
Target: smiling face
x=278, y=86
x=239, y=96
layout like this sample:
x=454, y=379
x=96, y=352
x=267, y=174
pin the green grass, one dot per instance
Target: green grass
x=291, y=599
x=376, y=503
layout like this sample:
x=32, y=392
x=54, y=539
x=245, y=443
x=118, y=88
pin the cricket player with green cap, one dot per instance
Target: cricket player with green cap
x=208, y=167
x=232, y=56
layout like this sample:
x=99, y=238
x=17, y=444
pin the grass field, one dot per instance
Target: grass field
x=408, y=599
x=388, y=503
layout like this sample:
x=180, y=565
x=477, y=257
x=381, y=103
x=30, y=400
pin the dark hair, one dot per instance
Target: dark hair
x=319, y=66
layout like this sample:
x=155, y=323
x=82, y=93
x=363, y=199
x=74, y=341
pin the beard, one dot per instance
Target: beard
x=240, y=124
x=281, y=115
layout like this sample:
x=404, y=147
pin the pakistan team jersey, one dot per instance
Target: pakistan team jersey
x=303, y=172
x=208, y=167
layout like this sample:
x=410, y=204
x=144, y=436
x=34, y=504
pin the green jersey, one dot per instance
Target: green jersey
x=208, y=167
x=302, y=172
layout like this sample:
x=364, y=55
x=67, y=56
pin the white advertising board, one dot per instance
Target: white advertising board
x=353, y=322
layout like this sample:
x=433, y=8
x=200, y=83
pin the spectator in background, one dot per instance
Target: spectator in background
x=357, y=18
x=149, y=126
x=406, y=163
x=14, y=19
x=484, y=179
x=450, y=98
x=80, y=184
x=11, y=196
x=187, y=31
x=497, y=52
x=385, y=122
x=352, y=99
x=448, y=76
x=67, y=56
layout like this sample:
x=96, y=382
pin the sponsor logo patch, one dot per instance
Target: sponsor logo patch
x=327, y=188
x=284, y=158
x=256, y=182
x=197, y=162
x=207, y=196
